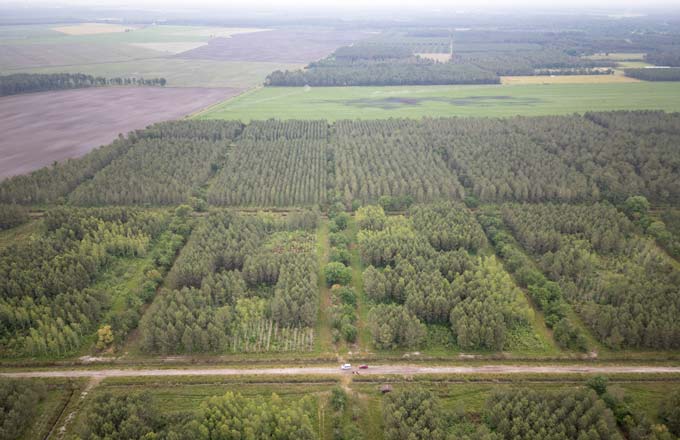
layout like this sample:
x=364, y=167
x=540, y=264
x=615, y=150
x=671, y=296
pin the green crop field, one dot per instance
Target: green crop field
x=334, y=103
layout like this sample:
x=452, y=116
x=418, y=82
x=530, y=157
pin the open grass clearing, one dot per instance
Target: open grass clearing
x=440, y=57
x=93, y=28
x=334, y=103
x=566, y=79
x=18, y=233
x=633, y=64
x=617, y=56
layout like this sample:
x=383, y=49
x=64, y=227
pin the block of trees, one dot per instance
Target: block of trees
x=533, y=62
x=422, y=269
x=623, y=286
x=242, y=283
x=571, y=414
x=47, y=305
x=275, y=164
x=18, y=405
x=228, y=416
x=389, y=158
x=12, y=215
x=661, y=74
x=597, y=156
x=378, y=64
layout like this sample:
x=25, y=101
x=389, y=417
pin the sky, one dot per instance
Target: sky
x=370, y=4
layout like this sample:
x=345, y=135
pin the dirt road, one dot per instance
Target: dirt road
x=405, y=370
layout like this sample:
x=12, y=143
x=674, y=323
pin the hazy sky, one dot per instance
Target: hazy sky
x=449, y=5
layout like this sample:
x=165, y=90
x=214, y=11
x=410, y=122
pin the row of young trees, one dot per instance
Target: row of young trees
x=594, y=411
x=624, y=287
x=547, y=295
x=338, y=276
x=569, y=414
x=388, y=158
x=54, y=183
x=597, y=156
x=272, y=173
x=40, y=82
x=47, y=305
x=418, y=267
x=495, y=161
x=230, y=416
x=154, y=171
x=242, y=283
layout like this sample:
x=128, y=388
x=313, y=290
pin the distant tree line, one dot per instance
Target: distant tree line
x=18, y=83
x=664, y=57
x=658, y=74
x=418, y=72
x=379, y=64
x=532, y=62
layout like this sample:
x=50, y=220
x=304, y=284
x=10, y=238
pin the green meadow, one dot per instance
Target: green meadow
x=436, y=101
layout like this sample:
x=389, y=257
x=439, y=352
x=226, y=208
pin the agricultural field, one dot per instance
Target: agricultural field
x=335, y=103
x=42, y=128
x=187, y=56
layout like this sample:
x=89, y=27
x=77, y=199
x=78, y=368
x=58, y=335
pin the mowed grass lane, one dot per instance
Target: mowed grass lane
x=418, y=101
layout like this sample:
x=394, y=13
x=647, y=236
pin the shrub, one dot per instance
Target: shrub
x=337, y=273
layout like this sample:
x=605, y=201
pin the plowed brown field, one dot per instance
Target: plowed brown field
x=40, y=128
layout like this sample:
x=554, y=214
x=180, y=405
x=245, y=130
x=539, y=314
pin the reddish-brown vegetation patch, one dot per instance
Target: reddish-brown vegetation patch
x=285, y=46
x=40, y=128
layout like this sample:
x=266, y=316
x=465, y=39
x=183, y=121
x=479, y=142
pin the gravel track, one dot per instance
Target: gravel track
x=405, y=370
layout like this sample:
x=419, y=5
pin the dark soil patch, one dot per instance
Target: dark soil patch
x=40, y=128
x=284, y=46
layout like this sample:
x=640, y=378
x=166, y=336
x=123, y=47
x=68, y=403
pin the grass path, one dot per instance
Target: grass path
x=18, y=233
x=323, y=341
x=539, y=320
x=363, y=332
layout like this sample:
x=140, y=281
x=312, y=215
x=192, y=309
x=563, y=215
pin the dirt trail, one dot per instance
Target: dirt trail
x=406, y=370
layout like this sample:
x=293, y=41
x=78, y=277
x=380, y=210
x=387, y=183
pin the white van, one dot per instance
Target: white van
x=346, y=367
